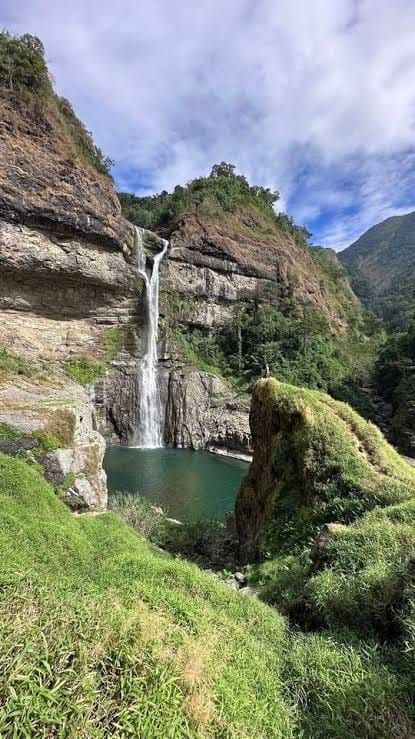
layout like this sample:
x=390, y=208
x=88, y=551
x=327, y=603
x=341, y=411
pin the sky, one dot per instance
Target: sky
x=313, y=98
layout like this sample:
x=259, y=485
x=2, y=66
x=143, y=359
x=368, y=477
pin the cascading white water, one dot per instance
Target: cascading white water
x=149, y=433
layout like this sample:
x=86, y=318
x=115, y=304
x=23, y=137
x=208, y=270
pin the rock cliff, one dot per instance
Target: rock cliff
x=203, y=413
x=67, y=290
x=242, y=256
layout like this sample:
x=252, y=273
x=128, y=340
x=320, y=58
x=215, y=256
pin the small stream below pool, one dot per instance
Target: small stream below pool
x=187, y=485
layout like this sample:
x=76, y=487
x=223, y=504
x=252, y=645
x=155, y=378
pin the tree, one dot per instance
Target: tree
x=22, y=63
x=223, y=169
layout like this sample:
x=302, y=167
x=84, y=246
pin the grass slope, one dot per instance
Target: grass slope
x=101, y=635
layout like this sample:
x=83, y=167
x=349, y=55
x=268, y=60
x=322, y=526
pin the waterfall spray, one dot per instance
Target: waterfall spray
x=149, y=434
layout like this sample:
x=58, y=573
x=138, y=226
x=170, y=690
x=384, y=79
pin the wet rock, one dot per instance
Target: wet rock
x=201, y=412
x=8, y=447
x=240, y=579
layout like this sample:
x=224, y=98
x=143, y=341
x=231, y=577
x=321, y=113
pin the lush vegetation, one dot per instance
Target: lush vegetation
x=277, y=336
x=210, y=543
x=25, y=80
x=223, y=191
x=395, y=383
x=102, y=635
x=381, y=267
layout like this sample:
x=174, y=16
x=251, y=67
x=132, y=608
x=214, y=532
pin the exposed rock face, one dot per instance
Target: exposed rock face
x=43, y=182
x=66, y=276
x=201, y=413
x=66, y=412
x=241, y=257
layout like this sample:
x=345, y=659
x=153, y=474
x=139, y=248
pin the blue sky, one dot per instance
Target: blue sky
x=314, y=98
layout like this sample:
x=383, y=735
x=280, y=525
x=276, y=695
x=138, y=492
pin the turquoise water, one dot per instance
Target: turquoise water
x=187, y=485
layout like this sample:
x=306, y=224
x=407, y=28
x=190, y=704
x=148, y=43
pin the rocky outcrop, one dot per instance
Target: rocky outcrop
x=315, y=462
x=202, y=413
x=65, y=413
x=68, y=289
x=46, y=181
x=242, y=256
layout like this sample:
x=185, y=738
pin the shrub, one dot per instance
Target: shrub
x=22, y=64
x=48, y=441
x=143, y=517
x=11, y=364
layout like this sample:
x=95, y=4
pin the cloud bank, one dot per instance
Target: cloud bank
x=314, y=98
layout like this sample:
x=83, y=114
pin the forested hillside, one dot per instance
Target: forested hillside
x=303, y=325
x=381, y=265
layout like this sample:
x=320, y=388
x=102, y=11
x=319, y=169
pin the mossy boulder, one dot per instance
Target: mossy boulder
x=329, y=507
x=315, y=461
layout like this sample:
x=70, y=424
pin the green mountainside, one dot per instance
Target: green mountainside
x=381, y=265
x=308, y=328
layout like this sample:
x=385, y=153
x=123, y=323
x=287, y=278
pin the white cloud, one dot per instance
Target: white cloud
x=294, y=92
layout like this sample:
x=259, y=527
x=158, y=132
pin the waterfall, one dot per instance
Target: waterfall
x=149, y=433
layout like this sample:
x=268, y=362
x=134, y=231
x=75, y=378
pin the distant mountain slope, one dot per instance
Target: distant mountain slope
x=381, y=264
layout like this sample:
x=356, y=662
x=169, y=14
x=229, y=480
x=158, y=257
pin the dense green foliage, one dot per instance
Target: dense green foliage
x=223, y=191
x=103, y=636
x=280, y=337
x=25, y=80
x=381, y=267
x=22, y=64
x=395, y=383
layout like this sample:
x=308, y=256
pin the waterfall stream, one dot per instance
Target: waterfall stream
x=150, y=432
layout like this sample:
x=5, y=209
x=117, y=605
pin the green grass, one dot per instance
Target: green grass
x=102, y=635
x=85, y=370
x=113, y=342
x=11, y=364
